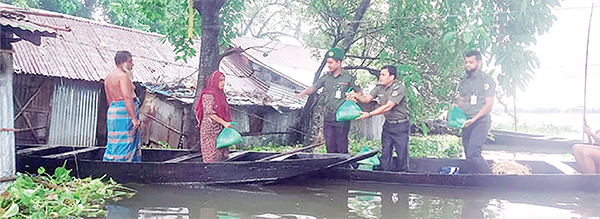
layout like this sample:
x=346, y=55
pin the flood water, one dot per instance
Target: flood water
x=343, y=199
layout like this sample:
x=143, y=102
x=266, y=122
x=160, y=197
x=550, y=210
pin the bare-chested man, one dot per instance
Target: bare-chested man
x=123, y=142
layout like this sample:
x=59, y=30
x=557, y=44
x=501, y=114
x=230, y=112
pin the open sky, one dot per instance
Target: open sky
x=559, y=81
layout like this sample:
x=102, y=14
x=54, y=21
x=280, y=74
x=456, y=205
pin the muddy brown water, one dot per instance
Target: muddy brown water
x=343, y=199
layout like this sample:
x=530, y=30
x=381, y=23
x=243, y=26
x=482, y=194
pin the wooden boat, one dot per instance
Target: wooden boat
x=540, y=142
x=546, y=175
x=176, y=166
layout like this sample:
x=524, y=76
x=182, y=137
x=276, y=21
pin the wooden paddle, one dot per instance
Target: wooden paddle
x=291, y=152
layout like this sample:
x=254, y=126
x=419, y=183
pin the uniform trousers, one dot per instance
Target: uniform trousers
x=473, y=138
x=336, y=134
x=395, y=136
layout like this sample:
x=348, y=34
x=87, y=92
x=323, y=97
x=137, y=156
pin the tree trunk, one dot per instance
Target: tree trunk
x=209, y=46
x=311, y=119
x=209, y=61
x=351, y=33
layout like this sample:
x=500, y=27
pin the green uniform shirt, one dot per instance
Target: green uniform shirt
x=331, y=85
x=395, y=93
x=479, y=85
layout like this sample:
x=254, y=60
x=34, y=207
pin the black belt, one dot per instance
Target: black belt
x=396, y=121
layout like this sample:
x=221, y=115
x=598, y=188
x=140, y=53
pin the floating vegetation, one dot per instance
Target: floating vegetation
x=59, y=196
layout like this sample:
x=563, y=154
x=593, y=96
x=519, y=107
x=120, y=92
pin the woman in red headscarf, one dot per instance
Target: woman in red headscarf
x=212, y=112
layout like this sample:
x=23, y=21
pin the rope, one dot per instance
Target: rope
x=510, y=167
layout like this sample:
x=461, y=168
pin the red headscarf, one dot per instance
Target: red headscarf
x=212, y=88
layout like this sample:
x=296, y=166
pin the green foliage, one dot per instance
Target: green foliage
x=164, y=145
x=70, y=7
x=437, y=146
x=159, y=16
x=427, y=41
x=357, y=143
x=59, y=196
x=171, y=19
x=277, y=148
x=510, y=40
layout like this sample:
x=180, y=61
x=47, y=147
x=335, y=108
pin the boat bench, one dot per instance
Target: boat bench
x=183, y=158
x=69, y=153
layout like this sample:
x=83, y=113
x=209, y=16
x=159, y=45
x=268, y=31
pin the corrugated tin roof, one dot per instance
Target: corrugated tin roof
x=297, y=63
x=12, y=18
x=15, y=22
x=242, y=87
x=87, y=51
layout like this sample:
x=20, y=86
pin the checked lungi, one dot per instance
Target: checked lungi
x=123, y=143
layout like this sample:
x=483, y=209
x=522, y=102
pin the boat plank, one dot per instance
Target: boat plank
x=281, y=158
x=34, y=149
x=566, y=169
x=236, y=155
x=269, y=158
x=69, y=153
x=183, y=158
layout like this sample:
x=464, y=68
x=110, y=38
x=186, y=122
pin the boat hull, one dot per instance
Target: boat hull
x=169, y=166
x=425, y=172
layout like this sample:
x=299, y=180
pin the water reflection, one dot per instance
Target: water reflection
x=365, y=204
x=336, y=199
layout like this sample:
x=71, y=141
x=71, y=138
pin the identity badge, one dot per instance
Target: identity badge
x=338, y=94
x=473, y=100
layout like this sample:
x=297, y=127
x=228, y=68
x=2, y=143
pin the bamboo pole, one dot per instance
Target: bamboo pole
x=587, y=50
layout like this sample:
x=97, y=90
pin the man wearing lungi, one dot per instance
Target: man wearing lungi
x=123, y=142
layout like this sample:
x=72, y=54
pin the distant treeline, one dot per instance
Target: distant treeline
x=549, y=110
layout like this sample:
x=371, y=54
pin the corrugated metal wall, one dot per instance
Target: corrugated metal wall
x=74, y=112
x=370, y=128
x=36, y=93
x=168, y=113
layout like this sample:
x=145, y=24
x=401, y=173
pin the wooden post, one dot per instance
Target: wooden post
x=7, y=135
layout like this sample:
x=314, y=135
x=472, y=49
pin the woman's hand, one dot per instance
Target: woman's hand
x=227, y=125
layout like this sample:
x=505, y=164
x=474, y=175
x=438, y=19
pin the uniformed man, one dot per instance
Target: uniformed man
x=476, y=98
x=391, y=94
x=335, y=83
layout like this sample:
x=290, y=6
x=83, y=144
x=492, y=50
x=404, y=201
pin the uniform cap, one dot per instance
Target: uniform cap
x=335, y=53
